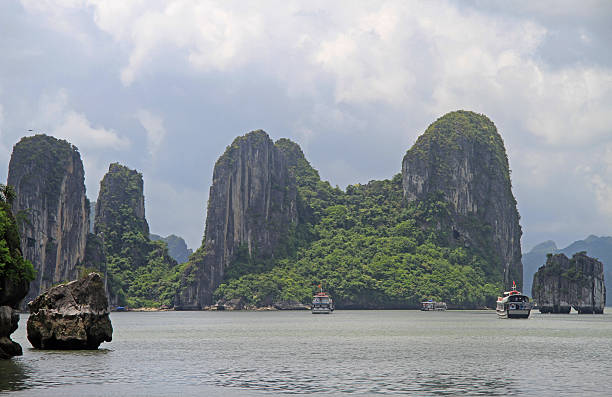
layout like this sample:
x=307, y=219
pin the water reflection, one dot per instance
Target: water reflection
x=13, y=375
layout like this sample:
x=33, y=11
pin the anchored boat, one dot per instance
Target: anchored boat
x=513, y=304
x=433, y=305
x=322, y=303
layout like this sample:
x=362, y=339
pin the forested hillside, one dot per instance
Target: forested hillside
x=446, y=228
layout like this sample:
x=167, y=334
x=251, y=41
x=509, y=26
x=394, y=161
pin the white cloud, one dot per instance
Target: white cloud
x=154, y=126
x=77, y=129
x=350, y=65
x=98, y=145
x=61, y=121
x=213, y=38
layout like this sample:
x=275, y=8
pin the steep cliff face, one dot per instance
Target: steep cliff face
x=15, y=275
x=564, y=283
x=138, y=269
x=461, y=160
x=251, y=209
x=120, y=204
x=48, y=178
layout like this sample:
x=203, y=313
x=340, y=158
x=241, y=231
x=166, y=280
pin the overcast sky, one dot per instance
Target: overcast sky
x=165, y=86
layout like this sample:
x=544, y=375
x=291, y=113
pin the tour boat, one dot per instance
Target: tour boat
x=433, y=305
x=513, y=304
x=322, y=303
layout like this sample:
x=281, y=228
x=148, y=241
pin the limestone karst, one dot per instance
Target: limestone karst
x=564, y=283
x=461, y=159
x=51, y=208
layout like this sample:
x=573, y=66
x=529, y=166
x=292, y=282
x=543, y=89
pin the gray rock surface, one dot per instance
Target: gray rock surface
x=11, y=294
x=74, y=315
x=251, y=205
x=462, y=157
x=563, y=283
x=48, y=178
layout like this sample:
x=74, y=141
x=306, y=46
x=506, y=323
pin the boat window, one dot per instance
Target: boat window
x=325, y=300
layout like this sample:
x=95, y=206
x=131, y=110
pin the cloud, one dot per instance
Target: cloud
x=154, y=127
x=368, y=77
x=213, y=38
x=97, y=144
x=63, y=122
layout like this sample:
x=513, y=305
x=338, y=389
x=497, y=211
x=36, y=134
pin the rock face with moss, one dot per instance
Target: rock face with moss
x=563, y=283
x=140, y=271
x=461, y=160
x=251, y=209
x=74, y=315
x=51, y=206
x=15, y=275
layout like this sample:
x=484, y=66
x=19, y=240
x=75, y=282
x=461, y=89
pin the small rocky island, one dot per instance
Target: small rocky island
x=69, y=316
x=563, y=283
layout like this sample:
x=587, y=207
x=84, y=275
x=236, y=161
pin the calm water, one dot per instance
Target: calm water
x=348, y=352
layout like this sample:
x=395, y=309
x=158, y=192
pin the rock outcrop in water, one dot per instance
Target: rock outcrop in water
x=563, y=283
x=251, y=208
x=461, y=160
x=48, y=178
x=599, y=247
x=74, y=315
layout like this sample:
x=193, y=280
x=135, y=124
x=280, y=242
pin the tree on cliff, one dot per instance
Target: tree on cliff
x=15, y=275
x=12, y=264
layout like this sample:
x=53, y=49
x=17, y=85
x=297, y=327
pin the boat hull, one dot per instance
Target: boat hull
x=517, y=313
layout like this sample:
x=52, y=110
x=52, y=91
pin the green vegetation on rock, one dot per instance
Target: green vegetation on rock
x=13, y=266
x=368, y=250
x=140, y=271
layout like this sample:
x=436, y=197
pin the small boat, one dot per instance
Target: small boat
x=322, y=303
x=432, y=305
x=513, y=304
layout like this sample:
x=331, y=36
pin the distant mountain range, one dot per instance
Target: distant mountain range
x=177, y=248
x=597, y=247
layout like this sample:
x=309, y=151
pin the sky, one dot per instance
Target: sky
x=165, y=86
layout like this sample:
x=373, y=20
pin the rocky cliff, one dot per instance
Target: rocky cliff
x=138, y=269
x=48, y=178
x=461, y=160
x=120, y=204
x=15, y=275
x=564, y=283
x=252, y=207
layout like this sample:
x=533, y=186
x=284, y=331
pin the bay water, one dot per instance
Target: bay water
x=344, y=353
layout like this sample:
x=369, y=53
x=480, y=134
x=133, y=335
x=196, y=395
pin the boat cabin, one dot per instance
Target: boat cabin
x=322, y=303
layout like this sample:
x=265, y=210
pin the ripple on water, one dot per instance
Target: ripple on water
x=348, y=352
